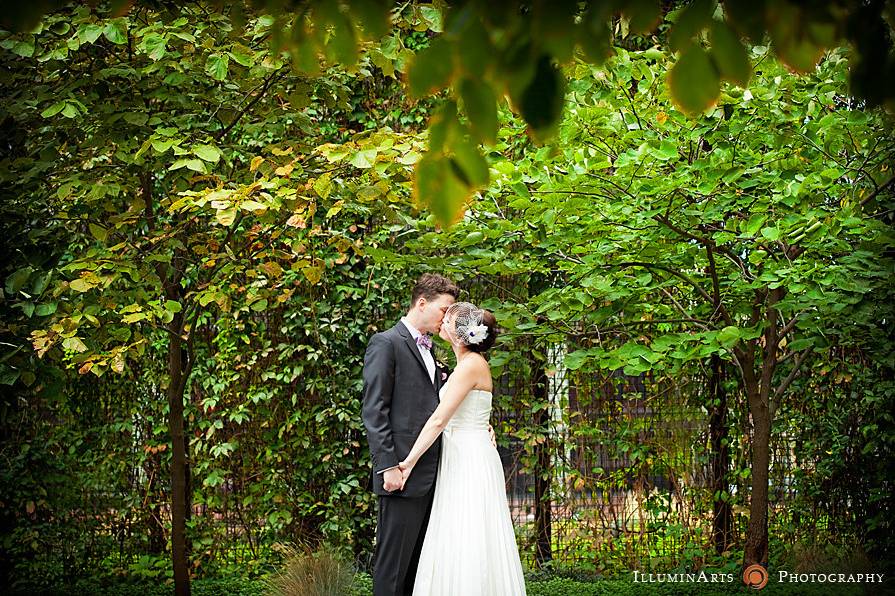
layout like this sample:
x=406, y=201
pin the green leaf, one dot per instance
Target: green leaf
x=431, y=69
x=173, y=306
x=44, y=310
x=754, y=224
x=791, y=41
x=645, y=15
x=437, y=185
x=343, y=42
x=161, y=145
x=8, y=376
x=730, y=55
x=242, y=55
x=541, y=101
x=691, y=21
x=576, y=359
x=473, y=169
x=154, y=45
x=116, y=31
x=98, y=232
x=432, y=16
x=481, y=108
x=800, y=344
x=771, y=234
x=364, y=159
x=17, y=280
x=217, y=65
x=70, y=111
x=667, y=150
x=371, y=15
x=728, y=336
x=89, y=33
x=694, y=81
x=53, y=109
x=195, y=165
x=25, y=49
x=209, y=153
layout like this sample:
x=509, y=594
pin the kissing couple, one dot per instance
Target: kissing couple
x=443, y=527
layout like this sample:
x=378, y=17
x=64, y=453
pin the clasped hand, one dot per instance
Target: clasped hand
x=395, y=478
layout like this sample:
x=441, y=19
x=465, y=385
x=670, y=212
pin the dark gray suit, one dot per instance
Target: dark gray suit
x=399, y=397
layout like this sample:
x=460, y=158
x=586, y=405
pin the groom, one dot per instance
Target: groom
x=401, y=384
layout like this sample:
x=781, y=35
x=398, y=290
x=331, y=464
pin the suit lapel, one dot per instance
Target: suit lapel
x=404, y=332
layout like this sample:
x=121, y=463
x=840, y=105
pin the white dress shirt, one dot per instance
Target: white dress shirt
x=426, y=354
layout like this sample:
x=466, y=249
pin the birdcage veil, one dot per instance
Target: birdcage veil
x=467, y=323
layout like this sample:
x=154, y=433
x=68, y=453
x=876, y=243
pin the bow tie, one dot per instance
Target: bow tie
x=424, y=341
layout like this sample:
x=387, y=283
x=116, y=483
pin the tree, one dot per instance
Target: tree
x=488, y=52
x=136, y=130
x=754, y=234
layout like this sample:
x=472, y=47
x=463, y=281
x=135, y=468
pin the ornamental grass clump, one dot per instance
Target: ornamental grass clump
x=311, y=573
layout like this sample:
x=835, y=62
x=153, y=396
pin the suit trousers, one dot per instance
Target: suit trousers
x=400, y=530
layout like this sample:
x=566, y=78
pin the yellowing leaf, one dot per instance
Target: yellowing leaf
x=256, y=161
x=81, y=285
x=74, y=343
x=272, y=269
x=694, y=81
x=225, y=217
x=253, y=206
x=314, y=274
x=323, y=186
x=297, y=221
x=284, y=170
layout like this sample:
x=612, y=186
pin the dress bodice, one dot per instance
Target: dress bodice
x=474, y=413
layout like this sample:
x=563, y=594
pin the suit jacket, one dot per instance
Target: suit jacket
x=399, y=397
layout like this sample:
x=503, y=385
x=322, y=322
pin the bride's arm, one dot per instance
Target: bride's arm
x=462, y=381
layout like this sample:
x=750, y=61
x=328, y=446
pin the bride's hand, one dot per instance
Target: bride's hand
x=405, y=468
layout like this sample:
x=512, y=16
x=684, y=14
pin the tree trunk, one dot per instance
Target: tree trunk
x=722, y=519
x=178, y=458
x=543, y=473
x=757, y=535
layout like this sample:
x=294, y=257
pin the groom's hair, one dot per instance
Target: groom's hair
x=430, y=285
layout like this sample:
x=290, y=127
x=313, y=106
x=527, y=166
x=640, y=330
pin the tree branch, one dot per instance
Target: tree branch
x=796, y=367
x=265, y=86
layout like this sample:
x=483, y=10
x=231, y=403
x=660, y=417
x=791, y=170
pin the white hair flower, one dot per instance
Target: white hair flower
x=467, y=323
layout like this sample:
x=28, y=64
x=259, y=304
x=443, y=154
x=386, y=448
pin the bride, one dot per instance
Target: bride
x=470, y=547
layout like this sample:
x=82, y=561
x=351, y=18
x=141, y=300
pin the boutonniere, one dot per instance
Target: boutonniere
x=439, y=364
x=444, y=376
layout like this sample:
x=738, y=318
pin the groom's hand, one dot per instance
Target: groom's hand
x=492, y=436
x=392, y=479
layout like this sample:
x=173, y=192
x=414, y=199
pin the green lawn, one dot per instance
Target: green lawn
x=557, y=586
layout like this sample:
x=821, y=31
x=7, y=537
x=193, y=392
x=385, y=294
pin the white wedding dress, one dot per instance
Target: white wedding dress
x=470, y=548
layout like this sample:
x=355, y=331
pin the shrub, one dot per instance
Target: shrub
x=312, y=573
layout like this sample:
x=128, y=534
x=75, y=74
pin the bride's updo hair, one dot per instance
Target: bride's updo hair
x=491, y=323
x=474, y=327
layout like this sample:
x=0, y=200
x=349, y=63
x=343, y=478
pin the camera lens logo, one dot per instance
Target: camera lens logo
x=755, y=576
